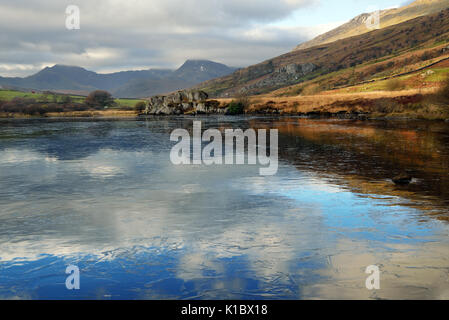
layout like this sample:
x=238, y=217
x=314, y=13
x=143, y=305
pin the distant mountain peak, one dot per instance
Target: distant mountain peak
x=200, y=70
x=198, y=61
x=64, y=66
x=191, y=63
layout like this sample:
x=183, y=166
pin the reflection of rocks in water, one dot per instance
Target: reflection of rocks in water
x=403, y=179
x=294, y=235
x=368, y=154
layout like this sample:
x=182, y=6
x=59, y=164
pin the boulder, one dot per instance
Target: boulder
x=201, y=108
x=402, y=179
x=179, y=102
x=187, y=106
x=201, y=96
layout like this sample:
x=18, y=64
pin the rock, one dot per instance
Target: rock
x=201, y=108
x=176, y=98
x=402, y=179
x=260, y=69
x=187, y=106
x=166, y=110
x=182, y=102
x=199, y=96
x=283, y=76
x=427, y=73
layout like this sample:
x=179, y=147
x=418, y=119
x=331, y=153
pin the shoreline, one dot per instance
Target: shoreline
x=73, y=114
x=312, y=116
x=380, y=105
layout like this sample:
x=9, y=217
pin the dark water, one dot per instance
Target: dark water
x=104, y=196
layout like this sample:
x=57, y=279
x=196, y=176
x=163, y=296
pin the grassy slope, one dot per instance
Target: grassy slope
x=8, y=95
x=388, y=18
x=412, y=95
x=408, y=69
x=340, y=63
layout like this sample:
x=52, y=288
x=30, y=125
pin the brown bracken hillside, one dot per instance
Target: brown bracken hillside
x=344, y=62
x=388, y=17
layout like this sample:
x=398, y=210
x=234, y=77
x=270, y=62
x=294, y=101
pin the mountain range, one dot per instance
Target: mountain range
x=126, y=84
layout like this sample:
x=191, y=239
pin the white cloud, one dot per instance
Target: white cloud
x=157, y=33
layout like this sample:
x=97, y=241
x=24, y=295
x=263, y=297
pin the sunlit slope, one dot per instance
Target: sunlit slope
x=388, y=50
x=389, y=17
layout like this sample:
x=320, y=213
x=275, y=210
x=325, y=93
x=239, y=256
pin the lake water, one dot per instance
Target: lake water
x=104, y=196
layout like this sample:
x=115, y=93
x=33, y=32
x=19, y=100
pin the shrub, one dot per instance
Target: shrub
x=380, y=68
x=239, y=105
x=140, y=107
x=34, y=109
x=53, y=107
x=235, y=108
x=66, y=99
x=394, y=85
x=243, y=100
x=99, y=99
x=311, y=90
x=78, y=107
x=443, y=93
x=387, y=106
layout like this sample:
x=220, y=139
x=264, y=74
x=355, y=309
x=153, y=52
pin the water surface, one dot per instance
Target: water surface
x=103, y=195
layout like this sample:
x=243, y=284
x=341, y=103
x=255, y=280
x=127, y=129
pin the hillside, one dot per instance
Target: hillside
x=379, y=52
x=389, y=17
x=121, y=84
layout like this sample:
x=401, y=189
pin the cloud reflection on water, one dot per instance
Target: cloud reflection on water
x=143, y=228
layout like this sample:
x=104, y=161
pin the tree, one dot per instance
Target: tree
x=235, y=108
x=66, y=99
x=99, y=98
x=140, y=107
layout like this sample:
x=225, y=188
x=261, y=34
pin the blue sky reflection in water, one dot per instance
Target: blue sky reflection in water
x=104, y=196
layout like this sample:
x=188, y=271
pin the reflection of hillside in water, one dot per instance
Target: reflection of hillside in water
x=368, y=154
x=363, y=155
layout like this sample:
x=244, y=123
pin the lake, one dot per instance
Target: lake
x=103, y=195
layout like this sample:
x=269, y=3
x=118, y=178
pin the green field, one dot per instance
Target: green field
x=439, y=75
x=8, y=95
x=127, y=102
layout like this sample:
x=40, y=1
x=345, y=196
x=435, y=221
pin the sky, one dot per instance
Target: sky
x=117, y=35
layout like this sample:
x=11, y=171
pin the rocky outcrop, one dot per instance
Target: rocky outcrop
x=283, y=76
x=183, y=102
x=296, y=70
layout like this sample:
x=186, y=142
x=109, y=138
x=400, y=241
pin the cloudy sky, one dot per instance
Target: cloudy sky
x=117, y=35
